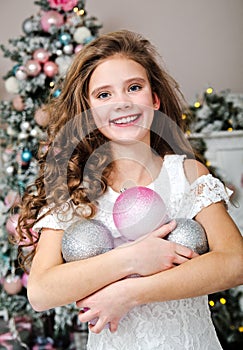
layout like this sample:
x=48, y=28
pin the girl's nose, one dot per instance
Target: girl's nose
x=123, y=103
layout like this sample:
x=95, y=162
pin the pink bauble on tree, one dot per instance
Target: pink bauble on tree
x=51, y=18
x=33, y=68
x=137, y=211
x=41, y=55
x=12, y=223
x=50, y=69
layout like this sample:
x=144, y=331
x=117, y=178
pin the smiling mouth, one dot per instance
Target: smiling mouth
x=125, y=120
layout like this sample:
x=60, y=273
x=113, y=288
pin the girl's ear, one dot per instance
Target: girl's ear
x=156, y=101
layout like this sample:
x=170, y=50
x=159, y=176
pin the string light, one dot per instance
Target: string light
x=81, y=12
x=211, y=303
x=52, y=84
x=209, y=90
x=240, y=329
x=197, y=104
x=222, y=301
x=184, y=116
x=230, y=129
x=208, y=163
x=75, y=9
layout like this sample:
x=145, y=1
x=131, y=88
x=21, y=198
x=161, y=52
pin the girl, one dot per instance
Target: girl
x=117, y=124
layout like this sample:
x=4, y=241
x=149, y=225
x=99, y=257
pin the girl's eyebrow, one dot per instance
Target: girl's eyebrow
x=107, y=87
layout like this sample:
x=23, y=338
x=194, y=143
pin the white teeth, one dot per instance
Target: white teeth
x=125, y=120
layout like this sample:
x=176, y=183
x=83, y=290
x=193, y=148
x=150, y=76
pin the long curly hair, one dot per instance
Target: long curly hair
x=73, y=167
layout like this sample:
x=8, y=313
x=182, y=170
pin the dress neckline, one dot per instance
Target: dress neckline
x=151, y=184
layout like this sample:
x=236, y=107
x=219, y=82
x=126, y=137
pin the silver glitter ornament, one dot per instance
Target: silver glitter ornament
x=191, y=234
x=84, y=239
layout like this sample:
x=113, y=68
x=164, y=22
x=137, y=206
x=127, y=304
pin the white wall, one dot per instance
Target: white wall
x=201, y=41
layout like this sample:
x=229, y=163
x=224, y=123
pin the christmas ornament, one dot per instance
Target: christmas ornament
x=68, y=49
x=33, y=68
x=12, y=223
x=21, y=73
x=81, y=34
x=137, y=211
x=78, y=48
x=18, y=103
x=28, y=26
x=10, y=170
x=56, y=93
x=26, y=156
x=25, y=125
x=12, y=284
x=23, y=135
x=11, y=85
x=41, y=117
x=51, y=18
x=41, y=55
x=63, y=64
x=189, y=233
x=12, y=198
x=84, y=239
x=65, y=38
x=50, y=69
x=140, y=210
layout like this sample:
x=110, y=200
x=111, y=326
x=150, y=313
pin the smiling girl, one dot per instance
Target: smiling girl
x=117, y=124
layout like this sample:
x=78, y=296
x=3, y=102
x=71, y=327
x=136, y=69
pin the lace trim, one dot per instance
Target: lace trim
x=205, y=191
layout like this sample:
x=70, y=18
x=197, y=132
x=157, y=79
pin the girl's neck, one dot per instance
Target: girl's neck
x=134, y=165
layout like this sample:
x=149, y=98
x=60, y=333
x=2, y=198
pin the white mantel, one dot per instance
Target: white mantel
x=225, y=152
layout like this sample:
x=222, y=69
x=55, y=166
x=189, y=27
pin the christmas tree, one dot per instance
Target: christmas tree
x=41, y=58
x=219, y=112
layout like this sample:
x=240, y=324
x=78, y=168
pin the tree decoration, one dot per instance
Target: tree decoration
x=214, y=112
x=41, y=57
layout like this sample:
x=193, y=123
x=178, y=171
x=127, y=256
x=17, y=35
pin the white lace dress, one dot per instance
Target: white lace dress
x=173, y=325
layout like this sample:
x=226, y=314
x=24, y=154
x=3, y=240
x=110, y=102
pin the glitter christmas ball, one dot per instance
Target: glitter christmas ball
x=138, y=211
x=84, y=239
x=191, y=234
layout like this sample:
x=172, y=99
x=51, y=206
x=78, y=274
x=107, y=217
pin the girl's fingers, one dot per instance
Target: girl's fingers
x=165, y=229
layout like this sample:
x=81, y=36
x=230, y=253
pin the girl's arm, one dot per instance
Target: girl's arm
x=220, y=269
x=53, y=283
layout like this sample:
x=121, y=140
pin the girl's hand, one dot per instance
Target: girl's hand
x=151, y=253
x=107, y=306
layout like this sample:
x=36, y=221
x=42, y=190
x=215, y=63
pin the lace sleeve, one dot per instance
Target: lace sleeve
x=205, y=191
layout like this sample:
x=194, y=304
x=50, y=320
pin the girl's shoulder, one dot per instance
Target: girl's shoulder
x=192, y=169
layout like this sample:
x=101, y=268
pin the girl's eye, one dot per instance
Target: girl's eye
x=103, y=95
x=135, y=87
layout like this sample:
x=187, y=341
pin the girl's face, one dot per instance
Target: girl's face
x=121, y=100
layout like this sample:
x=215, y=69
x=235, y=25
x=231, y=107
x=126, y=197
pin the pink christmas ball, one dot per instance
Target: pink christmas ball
x=12, y=198
x=78, y=48
x=11, y=224
x=51, y=18
x=138, y=211
x=41, y=55
x=18, y=103
x=33, y=68
x=41, y=117
x=12, y=284
x=50, y=69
